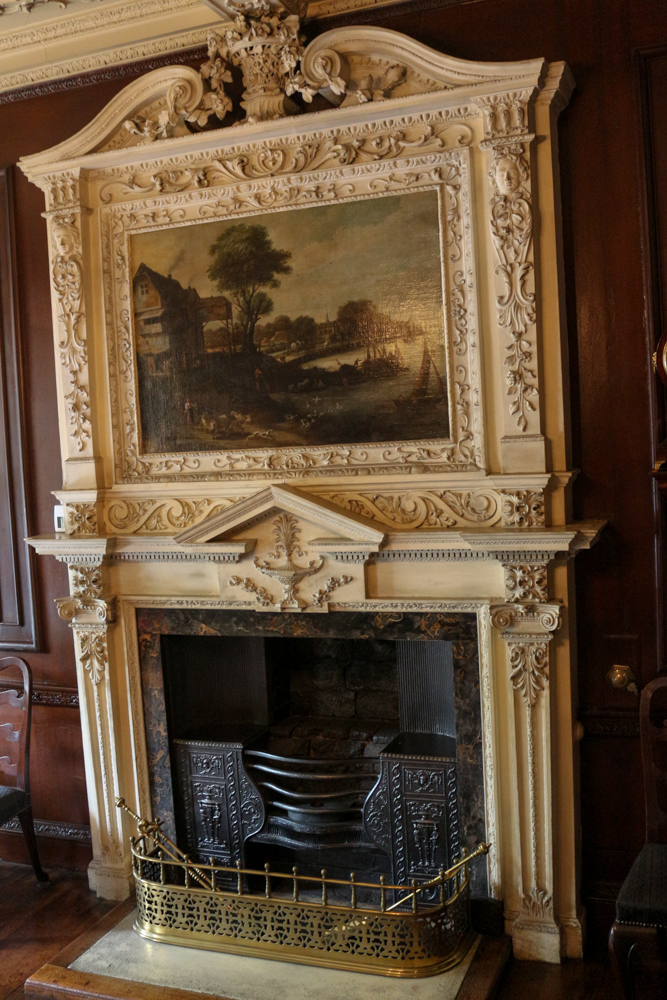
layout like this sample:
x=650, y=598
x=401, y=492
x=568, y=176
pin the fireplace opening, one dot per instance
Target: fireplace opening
x=319, y=752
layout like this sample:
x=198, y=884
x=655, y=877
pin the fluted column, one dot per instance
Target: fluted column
x=527, y=622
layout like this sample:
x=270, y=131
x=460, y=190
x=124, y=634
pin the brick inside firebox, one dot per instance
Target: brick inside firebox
x=343, y=697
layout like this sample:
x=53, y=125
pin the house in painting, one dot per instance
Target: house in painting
x=169, y=322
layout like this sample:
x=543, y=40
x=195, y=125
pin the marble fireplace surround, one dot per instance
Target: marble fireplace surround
x=459, y=629
x=477, y=525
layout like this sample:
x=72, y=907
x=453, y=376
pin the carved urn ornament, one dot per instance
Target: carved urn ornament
x=265, y=43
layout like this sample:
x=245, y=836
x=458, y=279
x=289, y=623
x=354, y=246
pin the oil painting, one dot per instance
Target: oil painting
x=315, y=326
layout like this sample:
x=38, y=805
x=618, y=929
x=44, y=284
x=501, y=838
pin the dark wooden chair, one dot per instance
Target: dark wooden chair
x=15, y=711
x=640, y=929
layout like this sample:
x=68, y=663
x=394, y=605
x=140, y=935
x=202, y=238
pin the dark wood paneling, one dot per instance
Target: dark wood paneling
x=18, y=627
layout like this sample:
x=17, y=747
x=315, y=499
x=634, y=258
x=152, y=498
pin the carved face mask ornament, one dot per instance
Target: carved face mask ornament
x=508, y=176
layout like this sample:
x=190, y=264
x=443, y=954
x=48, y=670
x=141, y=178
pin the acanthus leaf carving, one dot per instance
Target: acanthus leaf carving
x=67, y=283
x=319, y=152
x=153, y=516
x=529, y=667
x=512, y=236
x=538, y=903
x=93, y=651
x=425, y=508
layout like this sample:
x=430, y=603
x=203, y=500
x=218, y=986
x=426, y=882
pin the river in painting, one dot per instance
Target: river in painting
x=320, y=326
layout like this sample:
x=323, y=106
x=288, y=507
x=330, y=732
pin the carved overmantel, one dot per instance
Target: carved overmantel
x=476, y=522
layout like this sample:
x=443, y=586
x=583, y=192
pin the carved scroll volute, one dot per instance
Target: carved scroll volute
x=67, y=239
x=511, y=225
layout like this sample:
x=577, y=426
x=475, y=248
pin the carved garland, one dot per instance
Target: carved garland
x=67, y=284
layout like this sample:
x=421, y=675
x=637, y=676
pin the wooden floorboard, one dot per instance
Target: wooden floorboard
x=36, y=924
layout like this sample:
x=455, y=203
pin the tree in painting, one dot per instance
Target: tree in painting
x=245, y=262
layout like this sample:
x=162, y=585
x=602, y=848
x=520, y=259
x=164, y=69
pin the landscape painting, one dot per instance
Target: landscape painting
x=291, y=329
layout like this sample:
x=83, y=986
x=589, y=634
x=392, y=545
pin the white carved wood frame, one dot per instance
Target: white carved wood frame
x=371, y=159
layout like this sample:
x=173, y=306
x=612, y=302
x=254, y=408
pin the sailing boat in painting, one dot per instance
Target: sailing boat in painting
x=428, y=387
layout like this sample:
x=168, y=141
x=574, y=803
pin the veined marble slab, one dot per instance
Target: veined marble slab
x=125, y=955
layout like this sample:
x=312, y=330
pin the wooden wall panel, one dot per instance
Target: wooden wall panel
x=18, y=623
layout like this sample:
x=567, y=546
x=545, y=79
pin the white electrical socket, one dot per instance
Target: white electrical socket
x=59, y=517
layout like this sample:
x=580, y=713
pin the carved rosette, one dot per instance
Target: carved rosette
x=86, y=604
x=522, y=508
x=89, y=613
x=526, y=581
x=81, y=518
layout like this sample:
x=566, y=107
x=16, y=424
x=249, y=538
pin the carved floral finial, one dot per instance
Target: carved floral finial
x=265, y=43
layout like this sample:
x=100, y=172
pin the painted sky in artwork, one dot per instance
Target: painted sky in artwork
x=383, y=249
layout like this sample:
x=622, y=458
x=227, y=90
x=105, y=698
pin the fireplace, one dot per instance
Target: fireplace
x=329, y=565
x=349, y=743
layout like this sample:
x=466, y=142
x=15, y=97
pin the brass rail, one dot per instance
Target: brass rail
x=277, y=915
x=206, y=875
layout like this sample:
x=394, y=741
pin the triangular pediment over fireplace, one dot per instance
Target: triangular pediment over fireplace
x=341, y=529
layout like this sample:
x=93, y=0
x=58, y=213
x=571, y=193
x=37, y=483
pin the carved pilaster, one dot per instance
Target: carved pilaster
x=91, y=613
x=511, y=223
x=527, y=629
x=66, y=239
